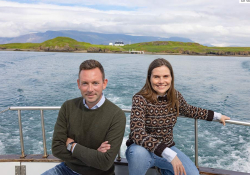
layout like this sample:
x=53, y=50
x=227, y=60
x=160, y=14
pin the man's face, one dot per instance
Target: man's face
x=91, y=84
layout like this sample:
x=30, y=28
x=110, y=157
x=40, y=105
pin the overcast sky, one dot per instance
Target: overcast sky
x=216, y=22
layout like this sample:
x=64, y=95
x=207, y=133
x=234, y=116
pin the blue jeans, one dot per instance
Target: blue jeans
x=140, y=160
x=60, y=169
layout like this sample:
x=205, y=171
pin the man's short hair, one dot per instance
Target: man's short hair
x=91, y=64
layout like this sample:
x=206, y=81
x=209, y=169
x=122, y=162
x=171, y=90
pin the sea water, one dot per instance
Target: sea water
x=48, y=79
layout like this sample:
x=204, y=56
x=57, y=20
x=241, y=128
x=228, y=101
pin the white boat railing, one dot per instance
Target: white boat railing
x=42, y=108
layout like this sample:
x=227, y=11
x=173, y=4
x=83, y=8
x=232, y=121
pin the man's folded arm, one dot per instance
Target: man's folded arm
x=59, y=148
x=97, y=159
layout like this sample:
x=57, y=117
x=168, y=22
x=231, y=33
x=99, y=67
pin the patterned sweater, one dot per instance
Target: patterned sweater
x=152, y=125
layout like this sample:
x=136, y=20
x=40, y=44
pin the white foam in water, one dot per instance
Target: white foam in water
x=114, y=99
x=123, y=106
x=3, y=137
x=236, y=160
x=14, y=140
x=213, y=144
x=38, y=147
x=118, y=101
x=2, y=151
x=241, y=140
x=235, y=157
x=123, y=147
x=242, y=159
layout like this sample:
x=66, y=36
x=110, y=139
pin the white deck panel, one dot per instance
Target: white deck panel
x=8, y=168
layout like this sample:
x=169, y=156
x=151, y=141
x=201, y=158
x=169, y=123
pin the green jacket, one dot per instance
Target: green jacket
x=89, y=129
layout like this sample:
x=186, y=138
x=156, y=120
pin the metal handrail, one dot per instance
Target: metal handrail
x=41, y=108
x=196, y=142
x=15, y=108
x=21, y=133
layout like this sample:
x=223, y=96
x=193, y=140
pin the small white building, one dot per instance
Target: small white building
x=119, y=43
x=111, y=44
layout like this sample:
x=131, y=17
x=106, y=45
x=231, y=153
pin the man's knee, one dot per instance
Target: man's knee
x=57, y=170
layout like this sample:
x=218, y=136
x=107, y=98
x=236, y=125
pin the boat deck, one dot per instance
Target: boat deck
x=121, y=166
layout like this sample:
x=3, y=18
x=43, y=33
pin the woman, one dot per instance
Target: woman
x=154, y=113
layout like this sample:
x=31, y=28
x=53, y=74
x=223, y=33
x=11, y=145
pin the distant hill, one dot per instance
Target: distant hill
x=173, y=47
x=89, y=37
x=66, y=44
x=61, y=44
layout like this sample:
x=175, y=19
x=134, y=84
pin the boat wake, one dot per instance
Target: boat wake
x=246, y=65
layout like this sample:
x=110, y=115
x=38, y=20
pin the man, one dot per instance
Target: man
x=89, y=129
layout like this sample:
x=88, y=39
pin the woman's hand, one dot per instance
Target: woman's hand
x=178, y=167
x=223, y=119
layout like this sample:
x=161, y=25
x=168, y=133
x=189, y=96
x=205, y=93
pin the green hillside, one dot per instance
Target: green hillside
x=61, y=44
x=63, y=41
x=65, y=44
x=165, y=46
x=20, y=46
x=186, y=48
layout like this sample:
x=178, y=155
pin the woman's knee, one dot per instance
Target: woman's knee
x=136, y=152
x=139, y=160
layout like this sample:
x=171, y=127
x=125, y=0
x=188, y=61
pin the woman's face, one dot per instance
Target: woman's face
x=161, y=80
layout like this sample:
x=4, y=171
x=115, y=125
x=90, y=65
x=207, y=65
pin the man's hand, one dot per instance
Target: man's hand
x=178, y=167
x=223, y=119
x=104, y=147
x=69, y=140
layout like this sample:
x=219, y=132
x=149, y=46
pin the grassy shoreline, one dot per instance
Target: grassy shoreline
x=64, y=44
x=146, y=53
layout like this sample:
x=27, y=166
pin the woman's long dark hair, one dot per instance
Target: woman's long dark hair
x=150, y=94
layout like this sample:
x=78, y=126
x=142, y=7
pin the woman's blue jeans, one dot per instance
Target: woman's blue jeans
x=140, y=160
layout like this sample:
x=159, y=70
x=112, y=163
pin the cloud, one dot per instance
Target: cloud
x=220, y=23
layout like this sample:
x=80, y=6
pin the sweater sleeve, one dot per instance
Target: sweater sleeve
x=59, y=148
x=138, y=134
x=192, y=111
x=114, y=136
